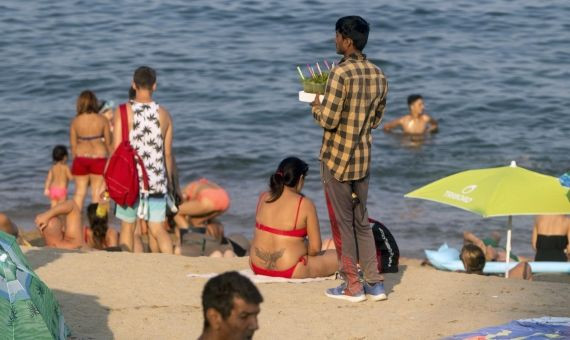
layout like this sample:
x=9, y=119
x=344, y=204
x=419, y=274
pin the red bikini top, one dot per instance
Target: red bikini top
x=291, y=233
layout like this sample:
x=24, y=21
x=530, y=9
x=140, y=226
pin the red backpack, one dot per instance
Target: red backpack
x=121, y=176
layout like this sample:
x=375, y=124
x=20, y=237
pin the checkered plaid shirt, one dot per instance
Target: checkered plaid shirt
x=353, y=104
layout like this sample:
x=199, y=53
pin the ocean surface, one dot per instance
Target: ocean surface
x=494, y=73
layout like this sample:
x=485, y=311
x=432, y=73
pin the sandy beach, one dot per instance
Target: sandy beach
x=149, y=296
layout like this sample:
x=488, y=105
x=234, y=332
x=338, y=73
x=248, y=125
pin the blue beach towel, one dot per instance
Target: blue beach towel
x=537, y=328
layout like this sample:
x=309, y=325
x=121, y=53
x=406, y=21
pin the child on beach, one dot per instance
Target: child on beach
x=58, y=176
x=417, y=122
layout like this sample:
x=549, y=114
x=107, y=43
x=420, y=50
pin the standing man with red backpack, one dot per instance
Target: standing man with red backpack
x=353, y=105
x=150, y=135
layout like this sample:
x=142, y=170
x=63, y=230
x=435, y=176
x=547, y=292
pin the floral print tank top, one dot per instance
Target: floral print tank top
x=146, y=138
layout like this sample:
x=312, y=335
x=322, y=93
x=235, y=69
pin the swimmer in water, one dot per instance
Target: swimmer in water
x=416, y=122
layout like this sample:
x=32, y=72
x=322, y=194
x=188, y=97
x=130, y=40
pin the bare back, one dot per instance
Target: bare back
x=61, y=175
x=552, y=225
x=90, y=136
x=280, y=252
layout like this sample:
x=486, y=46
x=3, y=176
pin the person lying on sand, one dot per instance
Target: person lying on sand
x=287, y=240
x=61, y=227
x=474, y=261
x=490, y=247
x=9, y=227
x=416, y=122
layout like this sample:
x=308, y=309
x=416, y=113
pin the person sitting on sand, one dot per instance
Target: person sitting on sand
x=551, y=238
x=9, y=227
x=287, y=240
x=230, y=303
x=490, y=247
x=416, y=122
x=61, y=227
x=58, y=176
x=474, y=261
x=98, y=235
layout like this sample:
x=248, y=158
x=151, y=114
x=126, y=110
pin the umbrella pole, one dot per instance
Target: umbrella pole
x=507, y=260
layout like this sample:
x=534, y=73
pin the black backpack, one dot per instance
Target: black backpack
x=387, y=250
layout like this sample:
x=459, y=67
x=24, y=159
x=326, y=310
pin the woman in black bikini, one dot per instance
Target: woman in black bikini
x=90, y=137
x=551, y=238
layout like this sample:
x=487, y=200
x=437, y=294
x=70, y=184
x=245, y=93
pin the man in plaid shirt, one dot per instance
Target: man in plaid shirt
x=353, y=105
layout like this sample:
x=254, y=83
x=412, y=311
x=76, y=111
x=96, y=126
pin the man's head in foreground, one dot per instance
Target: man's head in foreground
x=230, y=303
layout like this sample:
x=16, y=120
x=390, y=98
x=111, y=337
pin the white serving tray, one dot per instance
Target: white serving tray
x=308, y=97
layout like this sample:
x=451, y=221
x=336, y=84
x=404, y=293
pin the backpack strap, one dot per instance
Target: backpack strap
x=125, y=138
x=140, y=162
x=124, y=122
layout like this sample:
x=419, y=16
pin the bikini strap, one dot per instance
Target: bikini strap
x=297, y=215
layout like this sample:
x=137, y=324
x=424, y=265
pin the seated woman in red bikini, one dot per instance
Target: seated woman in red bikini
x=287, y=241
x=60, y=227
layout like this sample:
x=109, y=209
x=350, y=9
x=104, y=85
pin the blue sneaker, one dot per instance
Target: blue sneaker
x=340, y=293
x=375, y=292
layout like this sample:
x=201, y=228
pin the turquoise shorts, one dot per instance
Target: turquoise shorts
x=156, y=211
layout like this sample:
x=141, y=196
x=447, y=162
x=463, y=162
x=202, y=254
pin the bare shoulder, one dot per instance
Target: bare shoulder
x=73, y=122
x=307, y=204
x=164, y=113
x=426, y=117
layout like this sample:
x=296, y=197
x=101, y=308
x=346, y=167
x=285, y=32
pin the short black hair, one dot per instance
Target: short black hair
x=144, y=77
x=413, y=97
x=220, y=291
x=355, y=28
x=59, y=152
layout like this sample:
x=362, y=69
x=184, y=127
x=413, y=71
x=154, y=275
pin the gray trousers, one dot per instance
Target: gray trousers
x=351, y=230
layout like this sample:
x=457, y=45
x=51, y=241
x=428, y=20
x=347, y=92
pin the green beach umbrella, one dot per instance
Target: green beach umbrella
x=502, y=191
x=28, y=308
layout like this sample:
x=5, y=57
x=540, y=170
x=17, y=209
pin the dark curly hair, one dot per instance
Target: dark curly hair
x=220, y=291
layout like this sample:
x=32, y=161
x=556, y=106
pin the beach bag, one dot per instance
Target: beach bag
x=121, y=176
x=387, y=250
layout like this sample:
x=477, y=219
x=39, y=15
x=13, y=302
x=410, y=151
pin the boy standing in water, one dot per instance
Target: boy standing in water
x=58, y=176
x=416, y=122
x=150, y=134
x=353, y=105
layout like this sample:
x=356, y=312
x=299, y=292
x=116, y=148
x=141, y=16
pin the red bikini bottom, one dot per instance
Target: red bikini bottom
x=287, y=273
